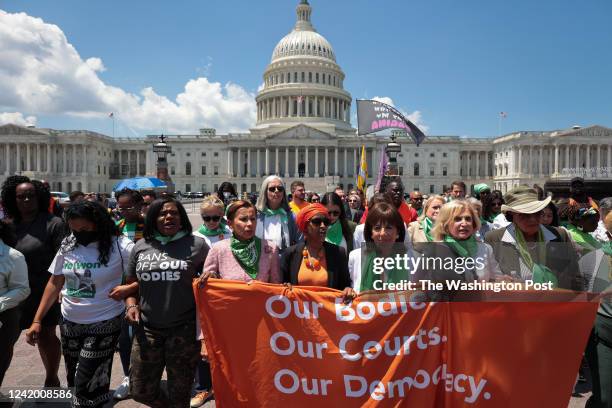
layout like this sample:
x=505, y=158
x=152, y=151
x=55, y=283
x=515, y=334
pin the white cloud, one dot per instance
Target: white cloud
x=42, y=73
x=415, y=117
x=16, y=118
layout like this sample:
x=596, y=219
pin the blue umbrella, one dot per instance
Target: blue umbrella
x=139, y=183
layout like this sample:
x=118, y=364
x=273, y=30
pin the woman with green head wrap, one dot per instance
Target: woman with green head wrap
x=481, y=191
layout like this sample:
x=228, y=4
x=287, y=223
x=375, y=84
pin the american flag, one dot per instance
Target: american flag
x=503, y=114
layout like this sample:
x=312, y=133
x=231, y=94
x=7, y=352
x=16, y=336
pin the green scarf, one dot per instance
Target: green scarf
x=427, y=225
x=279, y=211
x=367, y=271
x=586, y=240
x=464, y=248
x=491, y=218
x=334, y=233
x=247, y=253
x=164, y=239
x=204, y=230
x=420, y=211
x=541, y=273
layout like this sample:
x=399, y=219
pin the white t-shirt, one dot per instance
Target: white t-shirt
x=85, y=297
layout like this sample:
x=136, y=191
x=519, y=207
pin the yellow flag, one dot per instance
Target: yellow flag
x=362, y=176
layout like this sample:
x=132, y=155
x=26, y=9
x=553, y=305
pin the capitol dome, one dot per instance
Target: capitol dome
x=303, y=82
x=303, y=43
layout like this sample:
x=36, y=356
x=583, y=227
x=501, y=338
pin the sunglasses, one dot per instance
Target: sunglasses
x=315, y=200
x=318, y=221
x=353, y=201
x=276, y=189
x=209, y=218
x=334, y=213
x=120, y=209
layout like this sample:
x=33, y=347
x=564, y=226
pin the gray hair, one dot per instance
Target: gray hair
x=262, y=200
x=605, y=205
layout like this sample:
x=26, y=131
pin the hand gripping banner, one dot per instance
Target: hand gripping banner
x=270, y=346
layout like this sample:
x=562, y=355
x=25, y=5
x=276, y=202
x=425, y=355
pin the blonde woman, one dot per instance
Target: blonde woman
x=453, y=233
x=420, y=230
x=213, y=228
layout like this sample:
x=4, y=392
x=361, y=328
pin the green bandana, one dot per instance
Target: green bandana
x=204, y=230
x=541, y=273
x=164, y=239
x=586, y=240
x=427, y=225
x=247, y=253
x=464, y=248
x=334, y=233
x=491, y=218
x=367, y=271
x=279, y=211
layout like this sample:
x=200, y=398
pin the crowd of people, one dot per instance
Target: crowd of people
x=119, y=277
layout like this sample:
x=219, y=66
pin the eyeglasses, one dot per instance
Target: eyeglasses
x=209, y=218
x=276, y=189
x=334, y=213
x=121, y=209
x=318, y=221
x=315, y=200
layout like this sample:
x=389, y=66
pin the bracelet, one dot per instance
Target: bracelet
x=36, y=322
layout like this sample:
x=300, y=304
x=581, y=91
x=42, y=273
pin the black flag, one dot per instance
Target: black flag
x=373, y=116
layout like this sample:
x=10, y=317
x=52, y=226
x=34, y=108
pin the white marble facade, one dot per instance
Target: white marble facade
x=303, y=131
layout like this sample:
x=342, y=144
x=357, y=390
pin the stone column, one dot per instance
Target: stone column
x=326, y=162
x=520, y=160
x=556, y=168
x=354, y=167
x=74, y=172
x=467, y=164
x=344, y=167
x=306, y=164
x=258, y=172
x=588, y=158
x=297, y=160
x=286, y=162
x=229, y=162
x=567, y=157
x=486, y=169
x=28, y=157
x=608, y=156
x=577, y=156
x=541, y=161
x=267, y=162
x=335, y=161
x=477, y=164
x=316, y=172
x=7, y=152
x=276, y=163
x=48, y=158
x=249, y=174
x=598, y=158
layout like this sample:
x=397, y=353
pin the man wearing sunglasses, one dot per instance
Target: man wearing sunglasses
x=416, y=201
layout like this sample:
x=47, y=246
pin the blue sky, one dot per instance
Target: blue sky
x=546, y=63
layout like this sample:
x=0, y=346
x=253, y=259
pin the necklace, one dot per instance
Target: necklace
x=313, y=264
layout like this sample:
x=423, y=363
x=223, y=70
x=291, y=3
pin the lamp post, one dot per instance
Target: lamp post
x=392, y=150
x=161, y=149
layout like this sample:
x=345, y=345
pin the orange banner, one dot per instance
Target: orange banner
x=271, y=346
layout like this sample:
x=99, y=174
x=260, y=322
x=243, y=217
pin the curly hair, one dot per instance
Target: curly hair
x=105, y=227
x=155, y=208
x=9, y=199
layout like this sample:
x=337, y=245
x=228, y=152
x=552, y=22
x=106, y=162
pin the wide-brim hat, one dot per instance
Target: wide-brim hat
x=523, y=200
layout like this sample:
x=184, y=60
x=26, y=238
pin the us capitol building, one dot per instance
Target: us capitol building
x=303, y=131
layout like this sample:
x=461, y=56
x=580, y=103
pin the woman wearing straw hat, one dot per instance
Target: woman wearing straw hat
x=527, y=250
